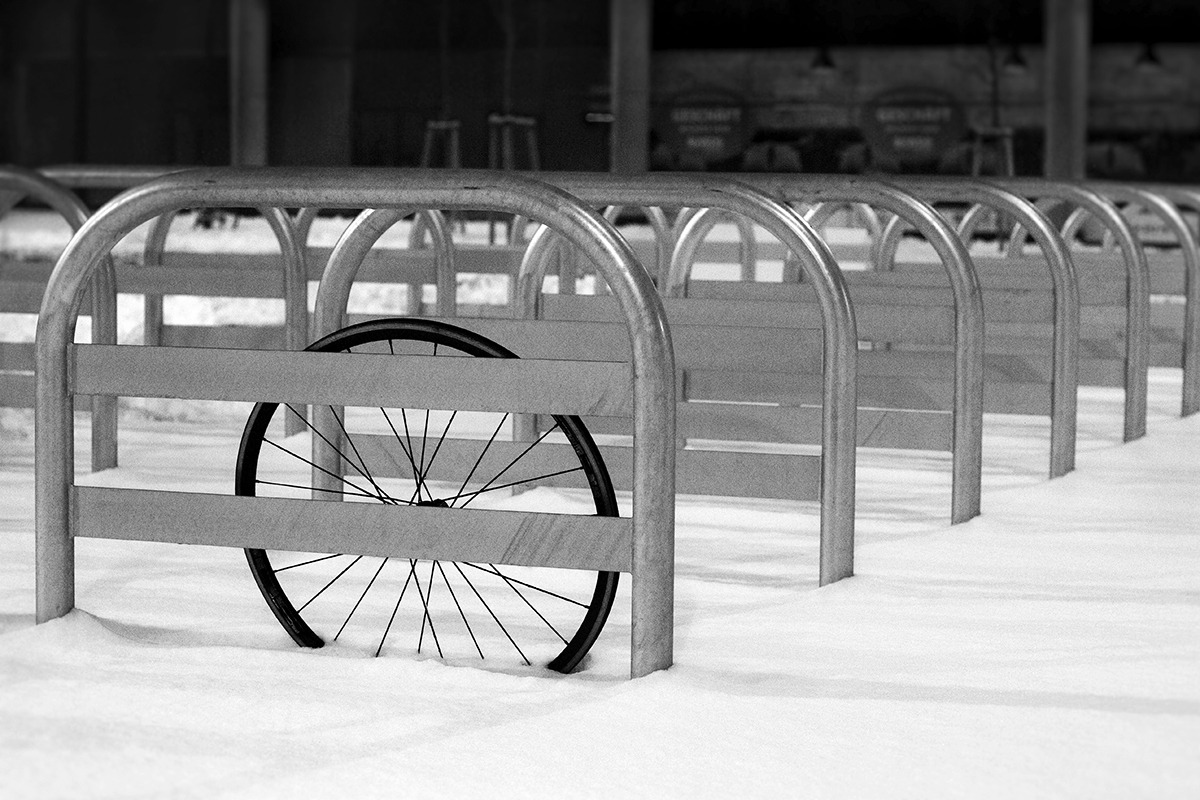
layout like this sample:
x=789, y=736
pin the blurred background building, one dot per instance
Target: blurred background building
x=948, y=86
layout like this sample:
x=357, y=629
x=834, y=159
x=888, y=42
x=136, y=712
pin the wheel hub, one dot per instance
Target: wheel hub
x=434, y=503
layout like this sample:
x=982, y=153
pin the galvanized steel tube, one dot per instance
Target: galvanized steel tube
x=105, y=176
x=747, y=243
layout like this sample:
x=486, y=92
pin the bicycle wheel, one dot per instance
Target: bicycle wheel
x=439, y=458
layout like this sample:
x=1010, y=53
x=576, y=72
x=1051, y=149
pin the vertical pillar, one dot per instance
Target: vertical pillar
x=629, y=53
x=249, y=36
x=1068, y=37
x=81, y=82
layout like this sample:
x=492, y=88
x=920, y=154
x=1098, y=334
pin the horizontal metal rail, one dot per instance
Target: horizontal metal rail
x=277, y=523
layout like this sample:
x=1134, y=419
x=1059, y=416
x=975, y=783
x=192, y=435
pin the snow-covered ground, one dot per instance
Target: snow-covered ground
x=1049, y=648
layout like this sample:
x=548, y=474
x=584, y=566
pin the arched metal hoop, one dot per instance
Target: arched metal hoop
x=832, y=192
x=839, y=407
x=1162, y=203
x=16, y=183
x=1065, y=369
x=1137, y=310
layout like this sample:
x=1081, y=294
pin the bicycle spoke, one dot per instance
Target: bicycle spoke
x=343, y=492
x=496, y=572
x=489, y=488
x=479, y=460
x=341, y=478
x=461, y=613
x=442, y=438
x=531, y=606
x=492, y=613
x=417, y=477
x=339, y=451
x=520, y=455
x=305, y=563
x=425, y=433
x=360, y=599
x=357, y=454
x=425, y=605
x=331, y=582
x=428, y=598
x=392, y=619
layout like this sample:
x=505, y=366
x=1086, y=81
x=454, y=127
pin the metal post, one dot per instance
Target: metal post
x=1068, y=34
x=249, y=37
x=629, y=54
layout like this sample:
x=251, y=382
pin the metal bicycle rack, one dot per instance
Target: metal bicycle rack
x=747, y=246
x=836, y=482
x=196, y=272
x=1137, y=301
x=1065, y=290
x=643, y=545
x=439, y=257
x=294, y=290
x=1188, y=198
x=750, y=250
x=15, y=184
x=829, y=193
x=1162, y=202
x=657, y=259
x=158, y=271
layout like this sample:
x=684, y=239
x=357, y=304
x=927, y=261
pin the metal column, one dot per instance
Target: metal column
x=249, y=36
x=1068, y=33
x=629, y=49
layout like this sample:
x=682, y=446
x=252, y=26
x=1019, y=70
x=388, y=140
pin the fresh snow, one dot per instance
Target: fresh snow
x=1049, y=648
